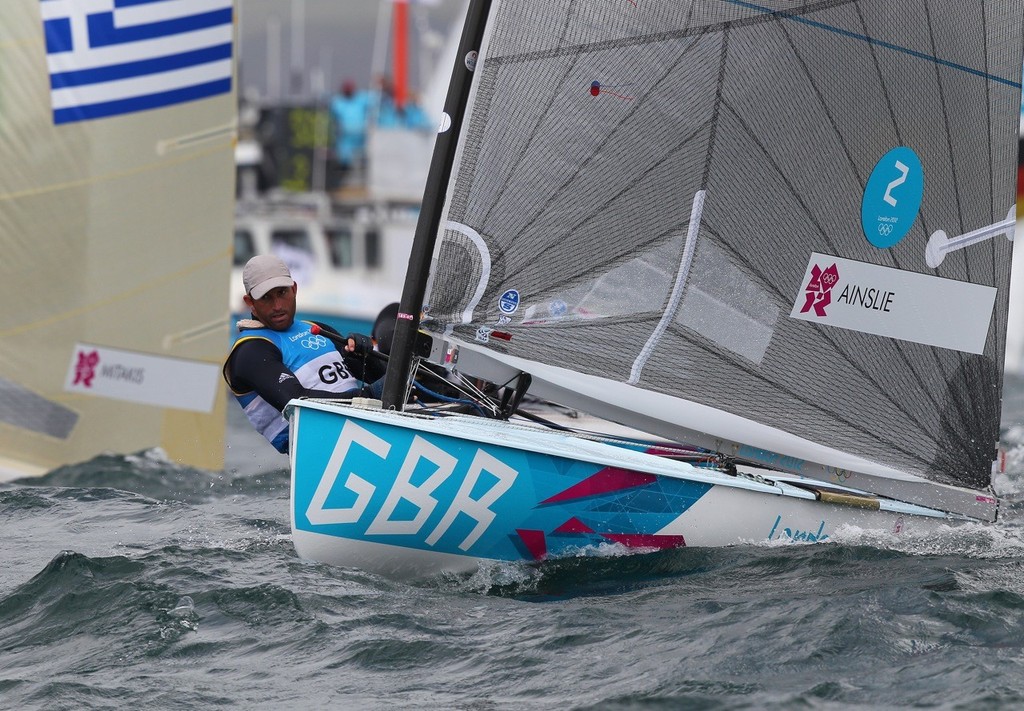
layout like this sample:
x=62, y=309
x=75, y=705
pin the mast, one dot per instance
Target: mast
x=400, y=364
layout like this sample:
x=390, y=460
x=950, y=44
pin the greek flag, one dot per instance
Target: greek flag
x=112, y=57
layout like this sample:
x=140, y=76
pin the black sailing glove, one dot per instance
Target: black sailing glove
x=363, y=344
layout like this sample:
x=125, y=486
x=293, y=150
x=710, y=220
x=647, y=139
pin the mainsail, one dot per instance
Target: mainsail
x=791, y=213
x=117, y=129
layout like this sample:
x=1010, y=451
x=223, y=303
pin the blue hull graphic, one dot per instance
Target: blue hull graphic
x=363, y=480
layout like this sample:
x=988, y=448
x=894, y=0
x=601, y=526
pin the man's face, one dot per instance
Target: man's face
x=276, y=308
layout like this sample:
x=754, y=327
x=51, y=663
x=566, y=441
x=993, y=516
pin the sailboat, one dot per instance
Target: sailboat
x=116, y=203
x=774, y=236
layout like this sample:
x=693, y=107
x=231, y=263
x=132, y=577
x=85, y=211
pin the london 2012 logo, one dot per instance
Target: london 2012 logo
x=819, y=289
x=314, y=343
x=85, y=369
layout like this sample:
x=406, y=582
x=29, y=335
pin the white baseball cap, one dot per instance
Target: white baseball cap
x=263, y=273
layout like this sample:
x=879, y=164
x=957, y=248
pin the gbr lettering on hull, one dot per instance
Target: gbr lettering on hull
x=421, y=496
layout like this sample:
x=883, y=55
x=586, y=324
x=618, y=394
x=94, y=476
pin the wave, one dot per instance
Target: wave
x=152, y=475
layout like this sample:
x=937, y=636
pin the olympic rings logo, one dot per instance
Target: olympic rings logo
x=315, y=343
x=885, y=229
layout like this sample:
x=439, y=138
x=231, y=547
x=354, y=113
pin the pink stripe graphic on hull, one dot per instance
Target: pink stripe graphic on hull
x=574, y=525
x=646, y=540
x=605, y=481
x=535, y=542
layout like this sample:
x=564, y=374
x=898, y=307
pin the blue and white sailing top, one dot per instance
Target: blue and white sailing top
x=313, y=359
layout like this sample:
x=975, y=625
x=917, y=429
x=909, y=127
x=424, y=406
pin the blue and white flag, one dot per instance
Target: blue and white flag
x=112, y=57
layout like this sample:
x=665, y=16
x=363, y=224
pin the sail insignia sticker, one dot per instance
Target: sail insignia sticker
x=509, y=302
x=894, y=303
x=107, y=58
x=819, y=289
x=142, y=378
x=892, y=197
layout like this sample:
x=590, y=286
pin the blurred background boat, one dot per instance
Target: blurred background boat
x=330, y=173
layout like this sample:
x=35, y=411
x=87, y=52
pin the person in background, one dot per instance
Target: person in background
x=384, y=110
x=351, y=110
x=275, y=358
x=414, y=116
x=386, y=113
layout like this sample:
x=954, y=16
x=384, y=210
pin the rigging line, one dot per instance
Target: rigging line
x=824, y=335
x=875, y=41
x=468, y=387
x=676, y=297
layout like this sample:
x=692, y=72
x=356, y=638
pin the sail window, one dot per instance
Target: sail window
x=725, y=306
x=612, y=294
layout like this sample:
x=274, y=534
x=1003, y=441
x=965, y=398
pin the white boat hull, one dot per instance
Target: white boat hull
x=409, y=496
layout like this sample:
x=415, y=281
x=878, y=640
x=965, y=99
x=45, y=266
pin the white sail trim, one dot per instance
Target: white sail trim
x=678, y=289
x=485, y=260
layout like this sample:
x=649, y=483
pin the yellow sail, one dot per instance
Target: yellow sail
x=117, y=132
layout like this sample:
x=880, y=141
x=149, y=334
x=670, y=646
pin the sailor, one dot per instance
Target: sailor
x=275, y=358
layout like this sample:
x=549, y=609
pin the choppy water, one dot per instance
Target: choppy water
x=128, y=582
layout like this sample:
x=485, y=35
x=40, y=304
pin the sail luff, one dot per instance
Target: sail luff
x=396, y=382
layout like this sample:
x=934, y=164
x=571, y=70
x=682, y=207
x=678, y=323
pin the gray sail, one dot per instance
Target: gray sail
x=793, y=212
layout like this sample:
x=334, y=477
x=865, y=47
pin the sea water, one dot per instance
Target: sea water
x=128, y=582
